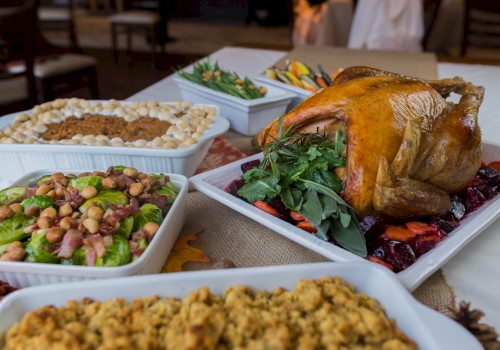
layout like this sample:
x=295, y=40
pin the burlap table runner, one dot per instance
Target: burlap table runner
x=227, y=234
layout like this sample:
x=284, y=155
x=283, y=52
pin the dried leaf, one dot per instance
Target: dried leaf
x=183, y=252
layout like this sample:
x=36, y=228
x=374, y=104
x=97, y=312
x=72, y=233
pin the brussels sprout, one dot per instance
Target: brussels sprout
x=35, y=251
x=42, y=179
x=81, y=182
x=169, y=190
x=147, y=213
x=117, y=254
x=12, y=194
x=12, y=229
x=40, y=201
x=119, y=168
x=105, y=198
x=126, y=226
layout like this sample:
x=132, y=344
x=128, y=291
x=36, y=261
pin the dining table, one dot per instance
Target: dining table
x=233, y=240
x=471, y=274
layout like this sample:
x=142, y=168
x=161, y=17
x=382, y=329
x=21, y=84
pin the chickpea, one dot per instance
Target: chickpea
x=148, y=180
x=89, y=192
x=65, y=210
x=91, y=225
x=150, y=228
x=54, y=234
x=141, y=176
x=51, y=194
x=60, y=191
x=45, y=222
x=49, y=212
x=43, y=189
x=67, y=223
x=108, y=183
x=95, y=213
x=130, y=172
x=32, y=211
x=6, y=212
x=56, y=176
x=99, y=173
x=15, y=252
x=16, y=207
x=135, y=189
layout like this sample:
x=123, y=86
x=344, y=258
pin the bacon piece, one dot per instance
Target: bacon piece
x=71, y=241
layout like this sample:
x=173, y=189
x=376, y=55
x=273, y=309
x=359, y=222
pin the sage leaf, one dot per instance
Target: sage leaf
x=311, y=207
x=344, y=217
x=292, y=198
x=323, y=230
x=329, y=206
x=323, y=189
x=349, y=238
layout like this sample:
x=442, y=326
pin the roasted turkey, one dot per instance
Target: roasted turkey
x=407, y=147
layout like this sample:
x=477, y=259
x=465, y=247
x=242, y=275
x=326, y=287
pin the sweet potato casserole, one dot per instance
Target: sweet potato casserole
x=318, y=314
x=111, y=123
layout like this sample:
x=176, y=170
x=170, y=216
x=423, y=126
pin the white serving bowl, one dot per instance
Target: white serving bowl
x=428, y=328
x=19, y=159
x=26, y=274
x=247, y=117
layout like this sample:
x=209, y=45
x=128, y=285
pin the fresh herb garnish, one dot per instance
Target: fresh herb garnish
x=228, y=82
x=299, y=169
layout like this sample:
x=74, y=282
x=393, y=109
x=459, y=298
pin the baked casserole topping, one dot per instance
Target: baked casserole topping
x=318, y=314
x=111, y=123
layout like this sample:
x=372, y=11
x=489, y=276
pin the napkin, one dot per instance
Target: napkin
x=396, y=25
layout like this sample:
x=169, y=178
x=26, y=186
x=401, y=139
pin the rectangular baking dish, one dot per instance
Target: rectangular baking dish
x=430, y=329
x=24, y=274
x=213, y=182
x=19, y=159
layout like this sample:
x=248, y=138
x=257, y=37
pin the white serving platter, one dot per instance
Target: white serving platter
x=213, y=182
x=247, y=117
x=25, y=274
x=23, y=158
x=430, y=329
x=300, y=94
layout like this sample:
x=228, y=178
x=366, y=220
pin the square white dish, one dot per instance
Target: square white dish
x=429, y=329
x=300, y=94
x=247, y=117
x=213, y=182
x=23, y=158
x=25, y=274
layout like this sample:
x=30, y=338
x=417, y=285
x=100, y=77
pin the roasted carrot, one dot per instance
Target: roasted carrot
x=266, y=207
x=321, y=82
x=495, y=165
x=398, y=233
x=307, y=226
x=379, y=261
x=419, y=228
x=294, y=214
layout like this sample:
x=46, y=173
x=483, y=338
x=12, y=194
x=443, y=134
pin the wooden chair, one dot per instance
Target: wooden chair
x=56, y=70
x=17, y=43
x=481, y=24
x=139, y=17
x=431, y=9
x=54, y=15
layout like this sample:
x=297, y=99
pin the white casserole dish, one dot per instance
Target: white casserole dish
x=213, y=182
x=430, y=329
x=24, y=274
x=300, y=94
x=247, y=117
x=19, y=159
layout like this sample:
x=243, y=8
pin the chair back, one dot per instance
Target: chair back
x=431, y=8
x=18, y=25
x=481, y=24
